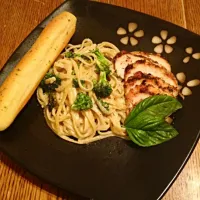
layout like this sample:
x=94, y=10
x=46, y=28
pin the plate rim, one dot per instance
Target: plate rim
x=32, y=173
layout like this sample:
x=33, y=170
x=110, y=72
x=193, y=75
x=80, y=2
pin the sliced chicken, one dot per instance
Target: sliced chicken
x=146, y=79
x=144, y=75
x=123, y=59
x=155, y=57
x=147, y=67
x=133, y=99
x=136, y=93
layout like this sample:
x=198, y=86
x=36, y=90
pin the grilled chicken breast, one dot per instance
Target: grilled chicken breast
x=146, y=79
x=144, y=75
x=123, y=59
x=155, y=57
x=140, y=86
x=147, y=67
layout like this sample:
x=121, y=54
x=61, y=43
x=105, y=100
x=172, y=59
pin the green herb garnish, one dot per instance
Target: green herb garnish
x=146, y=125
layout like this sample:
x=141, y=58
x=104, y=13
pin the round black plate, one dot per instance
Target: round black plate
x=112, y=168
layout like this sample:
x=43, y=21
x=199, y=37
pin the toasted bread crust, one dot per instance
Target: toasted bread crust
x=21, y=83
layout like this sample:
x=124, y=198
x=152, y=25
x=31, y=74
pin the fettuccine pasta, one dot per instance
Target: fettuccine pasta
x=96, y=123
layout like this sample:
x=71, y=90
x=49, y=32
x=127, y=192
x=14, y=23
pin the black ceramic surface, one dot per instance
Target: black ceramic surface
x=110, y=169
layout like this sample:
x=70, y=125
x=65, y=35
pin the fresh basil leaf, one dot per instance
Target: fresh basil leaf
x=153, y=137
x=146, y=124
x=159, y=106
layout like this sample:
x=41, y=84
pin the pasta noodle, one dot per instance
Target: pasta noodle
x=90, y=125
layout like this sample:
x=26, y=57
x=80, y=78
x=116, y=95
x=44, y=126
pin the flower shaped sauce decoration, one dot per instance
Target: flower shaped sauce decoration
x=189, y=51
x=132, y=32
x=163, y=42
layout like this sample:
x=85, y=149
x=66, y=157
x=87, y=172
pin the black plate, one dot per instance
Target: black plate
x=111, y=168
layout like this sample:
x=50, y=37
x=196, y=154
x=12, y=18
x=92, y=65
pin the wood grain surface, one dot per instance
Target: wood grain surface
x=17, y=20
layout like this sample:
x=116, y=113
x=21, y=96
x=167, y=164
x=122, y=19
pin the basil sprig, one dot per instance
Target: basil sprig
x=146, y=125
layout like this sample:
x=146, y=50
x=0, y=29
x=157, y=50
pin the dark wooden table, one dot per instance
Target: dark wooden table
x=17, y=19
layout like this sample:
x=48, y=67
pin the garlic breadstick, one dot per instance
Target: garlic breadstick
x=21, y=83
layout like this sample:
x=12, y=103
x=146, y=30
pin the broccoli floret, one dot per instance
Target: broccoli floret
x=104, y=104
x=102, y=88
x=52, y=103
x=75, y=82
x=104, y=64
x=70, y=54
x=100, y=69
x=51, y=86
x=82, y=102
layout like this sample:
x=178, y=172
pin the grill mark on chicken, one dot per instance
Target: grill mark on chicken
x=154, y=57
x=140, y=92
x=139, y=78
x=144, y=75
x=167, y=89
x=149, y=89
x=143, y=79
x=121, y=53
x=148, y=68
x=123, y=59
